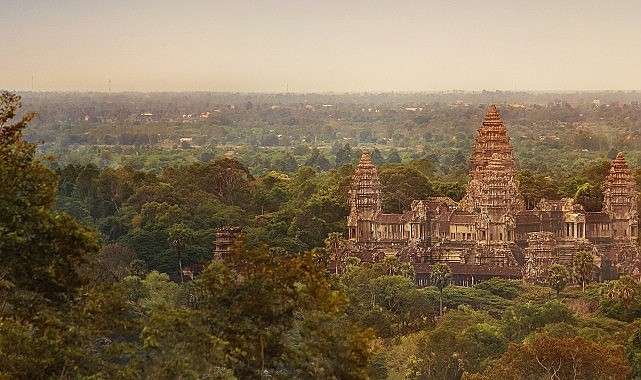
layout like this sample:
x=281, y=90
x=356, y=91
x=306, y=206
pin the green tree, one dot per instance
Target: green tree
x=343, y=155
x=158, y=291
x=43, y=263
x=591, y=183
x=317, y=160
x=525, y=318
x=633, y=351
x=42, y=251
x=535, y=187
x=281, y=317
x=583, y=267
x=590, y=196
x=463, y=340
x=114, y=263
x=547, y=357
x=501, y=287
x=624, y=292
x=256, y=314
x=393, y=157
x=401, y=185
x=454, y=190
x=85, y=189
x=390, y=304
x=441, y=277
x=377, y=157
x=336, y=245
x=226, y=178
x=481, y=343
x=423, y=165
x=558, y=277
x=178, y=237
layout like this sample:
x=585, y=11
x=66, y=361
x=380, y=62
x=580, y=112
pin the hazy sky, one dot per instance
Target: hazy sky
x=320, y=46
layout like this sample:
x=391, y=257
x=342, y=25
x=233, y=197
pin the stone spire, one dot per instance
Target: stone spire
x=491, y=138
x=620, y=199
x=493, y=192
x=225, y=239
x=365, y=200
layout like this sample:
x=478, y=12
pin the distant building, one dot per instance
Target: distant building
x=490, y=233
x=225, y=239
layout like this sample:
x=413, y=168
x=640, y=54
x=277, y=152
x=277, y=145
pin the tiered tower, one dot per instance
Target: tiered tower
x=364, y=202
x=225, y=239
x=492, y=139
x=620, y=200
x=493, y=193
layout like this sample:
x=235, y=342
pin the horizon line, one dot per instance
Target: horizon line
x=328, y=92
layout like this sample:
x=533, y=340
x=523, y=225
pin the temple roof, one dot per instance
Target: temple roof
x=492, y=115
x=620, y=186
x=390, y=218
x=366, y=162
x=365, y=187
x=593, y=217
x=470, y=269
x=462, y=217
x=528, y=217
x=492, y=139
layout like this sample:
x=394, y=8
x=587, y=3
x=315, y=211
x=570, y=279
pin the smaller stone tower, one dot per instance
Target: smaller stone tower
x=225, y=238
x=364, y=201
x=620, y=200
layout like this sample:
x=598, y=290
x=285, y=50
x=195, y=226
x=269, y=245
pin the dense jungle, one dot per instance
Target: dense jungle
x=110, y=205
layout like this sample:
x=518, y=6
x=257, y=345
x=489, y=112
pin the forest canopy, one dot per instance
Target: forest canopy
x=93, y=239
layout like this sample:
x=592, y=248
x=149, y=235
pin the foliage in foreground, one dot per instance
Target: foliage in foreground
x=67, y=313
x=258, y=314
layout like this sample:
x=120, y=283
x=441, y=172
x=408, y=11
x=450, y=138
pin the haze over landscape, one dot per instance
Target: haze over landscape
x=303, y=46
x=385, y=190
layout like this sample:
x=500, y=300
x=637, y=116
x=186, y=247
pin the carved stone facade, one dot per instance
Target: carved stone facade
x=490, y=233
x=620, y=200
x=364, y=201
x=225, y=239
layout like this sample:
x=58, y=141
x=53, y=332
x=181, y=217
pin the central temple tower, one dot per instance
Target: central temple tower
x=493, y=193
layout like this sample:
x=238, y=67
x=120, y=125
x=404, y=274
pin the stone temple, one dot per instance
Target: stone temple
x=489, y=233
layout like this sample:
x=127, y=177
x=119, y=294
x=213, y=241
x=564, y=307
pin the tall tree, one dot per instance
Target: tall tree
x=624, y=291
x=336, y=246
x=377, y=157
x=535, y=187
x=281, y=317
x=401, y=185
x=441, y=277
x=583, y=267
x=43, y=257
x=548, y=357
x=343, y=155
x=42, y=251
x=178, y=235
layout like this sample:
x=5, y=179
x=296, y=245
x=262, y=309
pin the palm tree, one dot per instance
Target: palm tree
x=583, y=267
x=178, y=234
x=336, y=246
x=624, y=291
x=441, y=276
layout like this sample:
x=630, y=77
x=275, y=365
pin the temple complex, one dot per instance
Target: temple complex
x=489, y=232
